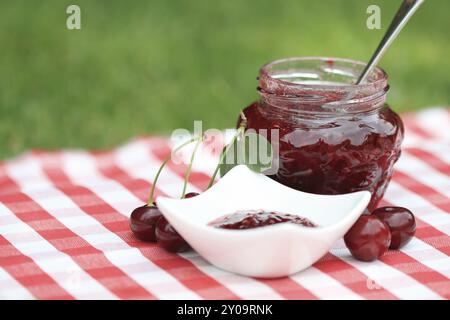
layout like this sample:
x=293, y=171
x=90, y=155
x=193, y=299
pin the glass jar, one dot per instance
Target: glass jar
x=334, y=136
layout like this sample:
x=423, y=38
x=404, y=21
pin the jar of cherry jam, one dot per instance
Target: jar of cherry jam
x=334, y=136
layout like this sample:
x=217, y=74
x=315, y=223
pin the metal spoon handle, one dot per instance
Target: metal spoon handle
x=404, y=13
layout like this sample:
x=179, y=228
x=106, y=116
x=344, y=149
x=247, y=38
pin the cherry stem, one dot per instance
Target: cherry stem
x=166, y=160
x=244, y=119
x=189, y=169
x=239, y=131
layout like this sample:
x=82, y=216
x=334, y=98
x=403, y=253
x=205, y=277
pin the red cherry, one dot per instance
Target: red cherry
x=401, y=223
x=191, y=195
x=368, y=239
x=168, y=238
x=143, y=221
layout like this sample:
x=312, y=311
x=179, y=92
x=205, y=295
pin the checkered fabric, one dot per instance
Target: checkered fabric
x=64, y=230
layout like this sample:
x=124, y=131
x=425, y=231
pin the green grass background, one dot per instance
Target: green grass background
x=139, y=67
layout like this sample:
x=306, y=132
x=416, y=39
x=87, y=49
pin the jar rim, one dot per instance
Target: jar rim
x=377, y=79
x=321, y=85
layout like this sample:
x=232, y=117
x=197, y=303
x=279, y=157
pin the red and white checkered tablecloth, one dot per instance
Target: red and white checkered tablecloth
x=64, y=230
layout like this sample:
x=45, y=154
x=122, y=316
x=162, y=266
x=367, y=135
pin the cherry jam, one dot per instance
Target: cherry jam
x=333, y=137
x=242, y=220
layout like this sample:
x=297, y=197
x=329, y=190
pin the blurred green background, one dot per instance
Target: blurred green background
x=139, y=67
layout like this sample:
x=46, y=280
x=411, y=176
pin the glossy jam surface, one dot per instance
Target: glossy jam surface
x=333, y=154
x=242, y=220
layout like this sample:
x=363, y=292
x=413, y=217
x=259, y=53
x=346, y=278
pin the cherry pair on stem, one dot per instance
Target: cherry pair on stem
x=147, y=222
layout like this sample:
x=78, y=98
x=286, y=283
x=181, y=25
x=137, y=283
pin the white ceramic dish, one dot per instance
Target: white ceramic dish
x=268, y=252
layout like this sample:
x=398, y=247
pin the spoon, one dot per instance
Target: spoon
x=404, y=13
x=269, y=252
